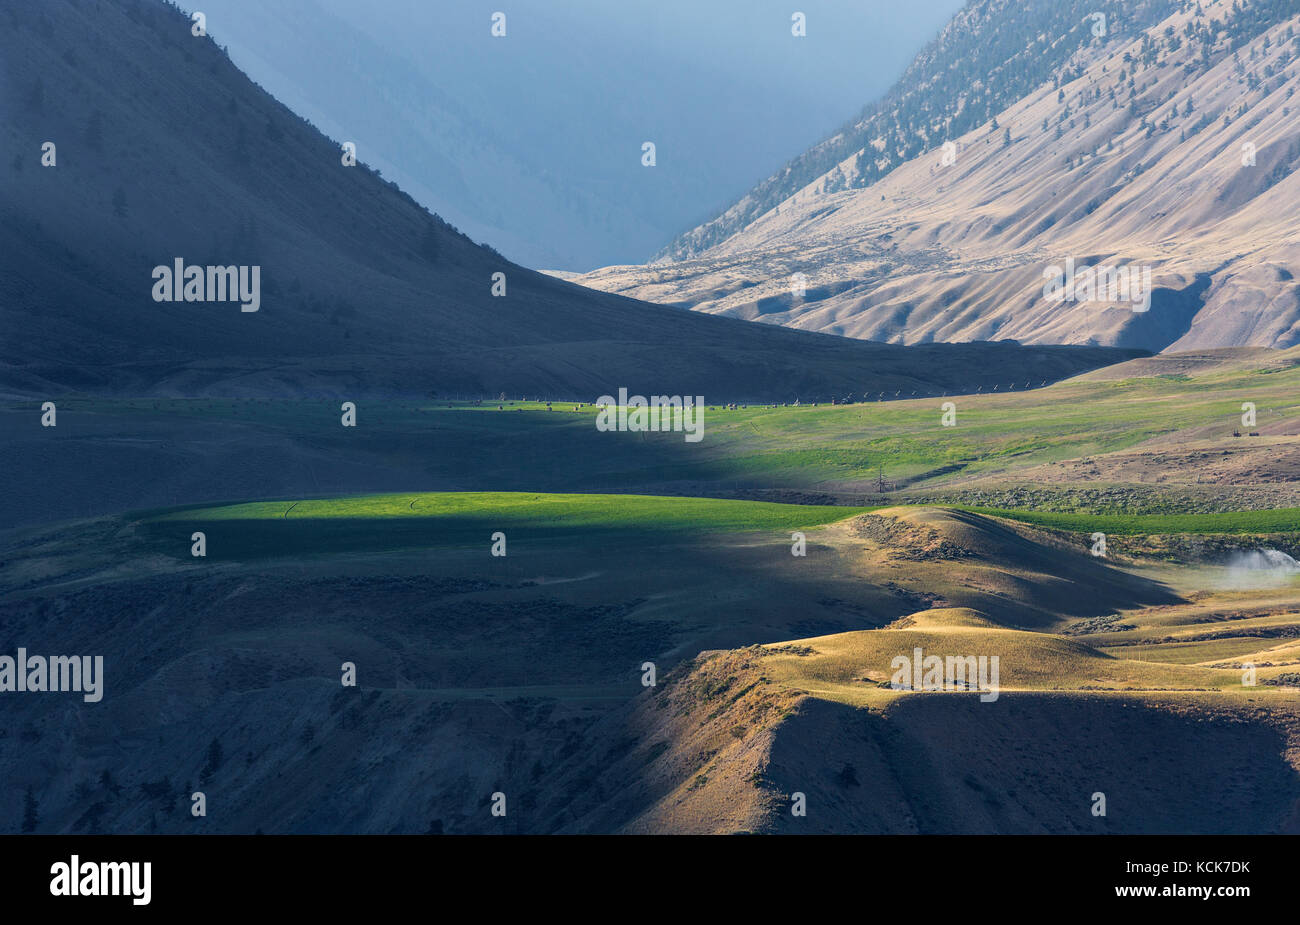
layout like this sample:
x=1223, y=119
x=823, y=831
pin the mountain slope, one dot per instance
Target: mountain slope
x=1133, y=154
x=990, y=54
x=164, y=150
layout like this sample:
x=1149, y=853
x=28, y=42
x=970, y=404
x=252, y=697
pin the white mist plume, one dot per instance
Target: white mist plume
x=1259, y=568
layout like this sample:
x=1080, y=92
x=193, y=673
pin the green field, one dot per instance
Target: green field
x=450, y=519
x=516, y=445
x=562, y=513
x=438, y=519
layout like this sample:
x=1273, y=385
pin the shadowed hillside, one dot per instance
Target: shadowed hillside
x=524, y=674
x=164, y=150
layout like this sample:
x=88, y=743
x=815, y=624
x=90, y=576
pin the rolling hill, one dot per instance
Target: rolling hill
x=523, y=674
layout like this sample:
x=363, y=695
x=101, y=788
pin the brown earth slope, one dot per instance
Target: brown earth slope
x=1164, y=159
x=724, y=748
